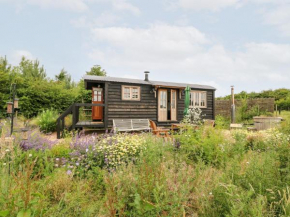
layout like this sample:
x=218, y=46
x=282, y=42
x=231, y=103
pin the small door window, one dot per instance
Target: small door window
x=97, y=94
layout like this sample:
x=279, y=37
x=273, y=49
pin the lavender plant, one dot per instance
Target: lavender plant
x=36, y=141
x=106, y=151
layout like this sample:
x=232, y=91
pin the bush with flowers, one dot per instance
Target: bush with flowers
x=107, y=151
x=201, y=172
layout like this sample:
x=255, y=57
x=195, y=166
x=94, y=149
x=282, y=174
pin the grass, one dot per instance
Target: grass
x=206, y=172
x=285, y=115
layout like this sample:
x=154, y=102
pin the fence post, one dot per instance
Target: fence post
x=58, y=128
x=74, y=113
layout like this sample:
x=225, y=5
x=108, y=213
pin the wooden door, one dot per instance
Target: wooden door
x=173, y=105
x=162, y=105
x=97, y=111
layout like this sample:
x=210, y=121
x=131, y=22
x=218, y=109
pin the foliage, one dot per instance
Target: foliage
x=194, y=116
x=97, y=70
x=222, y=122
x=202, y=172
x=46, y=120
x=244, y=113
x=36, y=142
x=36, y=91
x=65, y=78
x=285, y=125
x=281, y=96
x=108, y=151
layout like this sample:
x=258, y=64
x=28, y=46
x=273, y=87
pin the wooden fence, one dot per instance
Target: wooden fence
x=223, y=107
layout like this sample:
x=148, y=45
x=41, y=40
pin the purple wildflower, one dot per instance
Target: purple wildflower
x=37, y=142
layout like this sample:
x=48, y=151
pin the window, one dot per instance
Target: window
x=198, y=99
x=163, y=99
x=97, y=97
x=130, y=93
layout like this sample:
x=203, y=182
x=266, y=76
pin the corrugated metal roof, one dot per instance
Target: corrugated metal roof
x=139, y=81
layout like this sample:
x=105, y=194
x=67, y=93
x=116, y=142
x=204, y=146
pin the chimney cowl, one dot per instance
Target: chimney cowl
x=146, y=75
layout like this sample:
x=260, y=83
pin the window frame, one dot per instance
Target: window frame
x=131, y=93
x=192, y=99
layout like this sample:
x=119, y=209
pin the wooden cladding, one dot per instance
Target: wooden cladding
x=147, y=107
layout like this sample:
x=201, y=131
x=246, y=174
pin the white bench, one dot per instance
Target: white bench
x=123, y=125
x=236, y=126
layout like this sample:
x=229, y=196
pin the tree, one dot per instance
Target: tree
x=65, y=78
x=97, y=70
x=31, y=69
x=62, y=76
x=5, y=69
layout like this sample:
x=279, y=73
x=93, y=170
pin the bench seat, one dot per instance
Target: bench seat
x=126, y=125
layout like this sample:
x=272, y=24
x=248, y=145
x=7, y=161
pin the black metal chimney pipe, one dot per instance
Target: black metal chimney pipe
x=146, y=75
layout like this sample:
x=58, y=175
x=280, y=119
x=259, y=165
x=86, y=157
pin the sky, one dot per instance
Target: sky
x=245, y=43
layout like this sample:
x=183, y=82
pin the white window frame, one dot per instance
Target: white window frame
x=131, y=91
x=193, y=99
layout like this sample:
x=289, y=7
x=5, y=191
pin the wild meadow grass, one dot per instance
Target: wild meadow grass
x=203, y=172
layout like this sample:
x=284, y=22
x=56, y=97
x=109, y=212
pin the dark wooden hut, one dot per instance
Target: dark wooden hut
x=122, y=98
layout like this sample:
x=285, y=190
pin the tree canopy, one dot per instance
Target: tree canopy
x=97, y=70
x=36, y=91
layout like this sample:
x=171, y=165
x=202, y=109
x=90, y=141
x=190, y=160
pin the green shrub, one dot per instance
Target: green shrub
x=222, y=122
x=201, y=172
x=206, y=145
x=246, y=113
x=60, y=150
x=46, y=120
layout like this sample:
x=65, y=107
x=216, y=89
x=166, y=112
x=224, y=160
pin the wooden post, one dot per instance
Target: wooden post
x=74, y=117
x=233, y=116
x=12, y=114
x=213, y=104
x=63, y=124
x=77, y=114
x=106, y=118
x=58, y=128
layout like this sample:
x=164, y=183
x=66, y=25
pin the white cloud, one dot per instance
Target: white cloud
x=274, y=12
x=120, y=5
x=184, y=54
x=279, y=16
x=17, y=55
x=124, y=5
x=104, y=19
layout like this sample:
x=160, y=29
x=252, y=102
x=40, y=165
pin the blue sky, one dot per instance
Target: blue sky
x=245, y=43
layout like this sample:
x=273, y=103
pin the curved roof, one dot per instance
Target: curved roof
x=139, y=81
